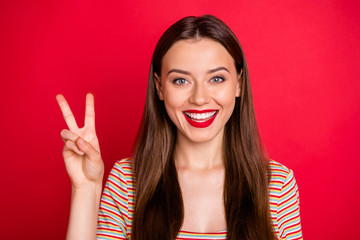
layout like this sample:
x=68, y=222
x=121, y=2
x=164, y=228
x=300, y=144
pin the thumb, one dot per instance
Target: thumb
x=88, y=149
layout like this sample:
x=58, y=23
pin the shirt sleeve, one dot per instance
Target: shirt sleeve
x=113, y=211
x=288, y=210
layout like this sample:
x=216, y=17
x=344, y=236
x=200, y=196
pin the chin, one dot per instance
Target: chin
x=202, y=136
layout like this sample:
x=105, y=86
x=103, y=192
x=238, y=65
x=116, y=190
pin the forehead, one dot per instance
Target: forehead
x=196, y=55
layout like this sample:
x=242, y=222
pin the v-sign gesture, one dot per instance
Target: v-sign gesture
x=81, y=151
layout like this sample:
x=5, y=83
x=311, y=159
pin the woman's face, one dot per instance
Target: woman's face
x=198, y=85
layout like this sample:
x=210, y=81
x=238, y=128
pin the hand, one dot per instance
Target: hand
x=81, y=151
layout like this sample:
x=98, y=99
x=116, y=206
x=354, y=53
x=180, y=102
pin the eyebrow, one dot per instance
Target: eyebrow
x=188, y=73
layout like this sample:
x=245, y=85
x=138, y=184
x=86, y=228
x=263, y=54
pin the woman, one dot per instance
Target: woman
x=199, y=166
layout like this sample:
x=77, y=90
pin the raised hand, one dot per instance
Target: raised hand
x=81, y=150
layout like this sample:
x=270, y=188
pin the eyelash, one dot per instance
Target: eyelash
x=176, y=81
x=217, y=77
x=184, y=81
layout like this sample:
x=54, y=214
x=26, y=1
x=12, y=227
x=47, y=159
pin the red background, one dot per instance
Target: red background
x=304, y=66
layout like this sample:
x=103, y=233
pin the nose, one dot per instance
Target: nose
x=200, y=94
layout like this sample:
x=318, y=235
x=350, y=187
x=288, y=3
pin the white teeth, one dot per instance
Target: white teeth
x=200, y=116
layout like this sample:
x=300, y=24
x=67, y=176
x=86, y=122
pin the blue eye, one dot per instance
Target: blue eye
x=180, y=81
x=217, y=79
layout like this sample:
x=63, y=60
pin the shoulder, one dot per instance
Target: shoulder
x=279, y=172
x=117, y=202
x=281, y=178
x=284, y=202
x=278, y=168
x=124, y=165
x=122, y=172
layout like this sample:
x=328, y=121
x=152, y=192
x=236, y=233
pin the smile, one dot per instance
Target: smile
x=200, y=118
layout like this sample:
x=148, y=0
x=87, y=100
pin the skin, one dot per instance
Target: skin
x=85, y=168
x=198, y=152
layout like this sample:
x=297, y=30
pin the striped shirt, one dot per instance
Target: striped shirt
x=117, y=205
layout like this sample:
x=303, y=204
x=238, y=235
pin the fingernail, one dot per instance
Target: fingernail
x=82, y=142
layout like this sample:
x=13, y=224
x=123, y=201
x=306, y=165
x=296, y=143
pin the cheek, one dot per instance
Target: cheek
x=174, y=102
x=173, y=99
x=228, y=106
x=226, y=97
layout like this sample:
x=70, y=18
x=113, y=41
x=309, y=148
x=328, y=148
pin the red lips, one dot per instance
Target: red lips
x=201, y=124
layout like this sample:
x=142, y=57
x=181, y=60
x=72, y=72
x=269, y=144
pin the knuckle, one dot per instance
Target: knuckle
x=63, y=132
x=69, y=144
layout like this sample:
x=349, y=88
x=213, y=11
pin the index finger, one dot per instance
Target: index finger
x=66, y=111
x=90, y=111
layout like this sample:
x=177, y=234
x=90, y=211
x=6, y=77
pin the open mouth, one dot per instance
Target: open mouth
x=200, y=119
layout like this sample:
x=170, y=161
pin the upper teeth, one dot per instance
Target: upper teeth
x=200, y=116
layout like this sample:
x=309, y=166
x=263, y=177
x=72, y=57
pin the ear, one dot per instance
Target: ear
x=239, y=84
x=157, y=81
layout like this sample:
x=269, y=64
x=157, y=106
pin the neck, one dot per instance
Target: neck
x=199, y=155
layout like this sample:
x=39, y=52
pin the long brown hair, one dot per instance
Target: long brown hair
x=159, y=209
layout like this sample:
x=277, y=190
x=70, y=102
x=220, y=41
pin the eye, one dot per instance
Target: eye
x=180, y=81
x=217, y=79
